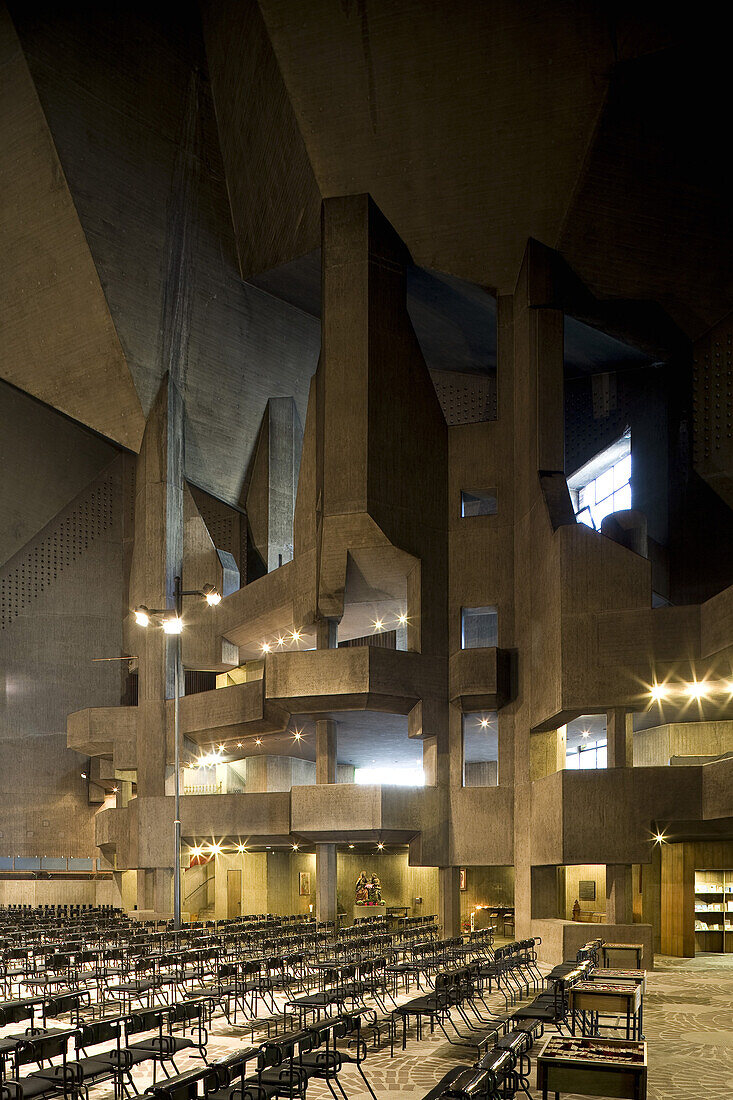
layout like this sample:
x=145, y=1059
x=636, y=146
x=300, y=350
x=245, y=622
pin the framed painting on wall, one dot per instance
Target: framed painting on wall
x=304, y=883
x=462, y=883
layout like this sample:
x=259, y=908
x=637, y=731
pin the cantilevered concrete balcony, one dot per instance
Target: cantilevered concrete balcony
x=105, y=731
x=334, y=811
x=606, y=816
x=358, y=678
x=141, y=833
x=480, y=679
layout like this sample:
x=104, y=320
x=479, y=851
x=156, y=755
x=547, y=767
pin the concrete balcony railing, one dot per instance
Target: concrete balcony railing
x=328, y=812
x=229, y=712
x=606, y=816
x=141, y=833
x=717, y=789
x=480, y=679
x=362, y=677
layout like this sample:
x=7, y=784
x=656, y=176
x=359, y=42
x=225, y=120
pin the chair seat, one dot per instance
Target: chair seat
x=33, y=1086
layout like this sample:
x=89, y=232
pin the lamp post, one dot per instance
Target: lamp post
x=173, y=626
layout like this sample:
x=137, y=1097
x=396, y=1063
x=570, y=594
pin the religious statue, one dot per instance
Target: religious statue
x=368, y=890
x=360, y=895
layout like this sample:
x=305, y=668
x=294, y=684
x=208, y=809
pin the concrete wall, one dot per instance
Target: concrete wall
x=60, y=891
x=47, y=460
x=657, y=745
x=587, y=871
x=62, y=606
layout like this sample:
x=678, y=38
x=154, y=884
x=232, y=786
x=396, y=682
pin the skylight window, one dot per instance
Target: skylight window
x=411, y=775
x=603, y=485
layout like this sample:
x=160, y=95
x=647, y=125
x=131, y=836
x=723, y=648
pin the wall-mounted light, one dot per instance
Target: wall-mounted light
x=211, y=596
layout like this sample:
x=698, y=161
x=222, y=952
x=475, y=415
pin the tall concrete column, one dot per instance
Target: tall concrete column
x=157, y=559
x=449, y=895
x=620, y=738
x=619, y=906
x=162, y=889
x=326, y=882
x=326, y=745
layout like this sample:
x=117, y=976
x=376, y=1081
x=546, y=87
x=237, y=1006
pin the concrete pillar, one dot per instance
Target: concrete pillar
x=619, y=905
x=548, y=750
x=326, y=744
x=326, y=882
x=449, y=898
x=124, y=792
x=430, y=760
x=414, y=596
x=163, y=890
x=505, y=769
x=620, y=737
x=144, y=889
x=327, y=634
x=545, y=893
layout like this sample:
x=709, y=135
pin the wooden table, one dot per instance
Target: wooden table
x=592, y=1067
x=629, y=954
x=588, y=1000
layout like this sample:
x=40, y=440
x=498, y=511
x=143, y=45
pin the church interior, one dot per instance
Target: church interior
x=366, y=551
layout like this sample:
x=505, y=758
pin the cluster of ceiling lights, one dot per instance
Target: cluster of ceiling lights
x=216, y=849
x=378, y=625
x=694, y=689
x=293, y=637
x=216, y=756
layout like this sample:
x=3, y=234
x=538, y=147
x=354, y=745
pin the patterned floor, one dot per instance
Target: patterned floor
x=688, y=1020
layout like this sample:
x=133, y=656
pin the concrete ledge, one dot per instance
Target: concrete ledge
x=335, y=810
x=561, y=939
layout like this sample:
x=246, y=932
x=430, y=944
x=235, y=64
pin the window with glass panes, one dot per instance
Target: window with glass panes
x=591, y=755
x=607, y=489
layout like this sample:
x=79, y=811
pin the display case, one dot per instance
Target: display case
x=713, y=911
x=593, y=1067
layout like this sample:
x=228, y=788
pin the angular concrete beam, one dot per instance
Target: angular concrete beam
x=53, y=313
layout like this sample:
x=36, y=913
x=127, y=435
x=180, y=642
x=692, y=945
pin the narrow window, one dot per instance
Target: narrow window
x=478, y=502
x=479, y=627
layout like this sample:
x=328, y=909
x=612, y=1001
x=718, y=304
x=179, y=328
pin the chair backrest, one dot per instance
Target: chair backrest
x=98, y=1031
x=147, y=1020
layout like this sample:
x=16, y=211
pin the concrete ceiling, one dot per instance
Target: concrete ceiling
x=123, y=260
x=477, y=125
x=163, y=178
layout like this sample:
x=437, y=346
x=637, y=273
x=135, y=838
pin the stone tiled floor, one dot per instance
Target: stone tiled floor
x=688, y=1023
